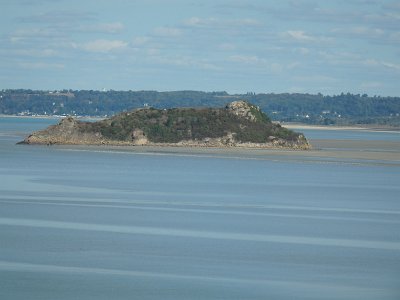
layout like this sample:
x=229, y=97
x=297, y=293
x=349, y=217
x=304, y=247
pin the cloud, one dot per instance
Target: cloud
x=59, y=16
x=392, y=6
x=140, y=40
x=62, y=25
x=215, y=23
x=247, y=59
x=389, y=19
x=199, y=36
x=395, y=37
x=36, y=52
x=303, y=37
x=299, y=35
x=34, y=34
x=115, y=27
x=371, y=85
x=291, y=10
x=361, y=12
x=391, y=65
x=185, y=62
x=226, y=47
x=167, y=32
x=257, y=62
x=195, y=21
x=40, y=65
x=363, y=32
x=315, y=78
x=102, y=46
x=153, y=51
x=302, y=5
x=379, y=63
x=355, y=61
x=339, y=57
x=371, y=34
x=302, y=50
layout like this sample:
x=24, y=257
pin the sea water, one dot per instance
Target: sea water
x=99, y=223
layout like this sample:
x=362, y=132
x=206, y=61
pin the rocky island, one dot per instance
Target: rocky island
x=239, y=124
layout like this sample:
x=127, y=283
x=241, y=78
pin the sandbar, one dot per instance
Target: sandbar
x=364, y=127
x=324, y=151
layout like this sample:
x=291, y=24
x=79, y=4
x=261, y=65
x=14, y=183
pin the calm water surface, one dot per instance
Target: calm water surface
x=80, y=223
x=355, y=135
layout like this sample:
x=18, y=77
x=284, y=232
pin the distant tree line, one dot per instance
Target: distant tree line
x=343, y=109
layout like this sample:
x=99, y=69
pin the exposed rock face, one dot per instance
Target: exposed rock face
x=242, y=109
x=65, y=132
x=139, y=138
x=239, y=124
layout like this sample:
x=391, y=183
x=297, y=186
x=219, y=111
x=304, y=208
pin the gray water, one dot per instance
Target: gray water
x=355, y=135
x=84, y=223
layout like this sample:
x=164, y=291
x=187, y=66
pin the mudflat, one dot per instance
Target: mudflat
x=357, y=149
x=323, y=150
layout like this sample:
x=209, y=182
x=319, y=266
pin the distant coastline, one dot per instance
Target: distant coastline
x=344, y=109
x=33, y=117
x=289, y=125
x=53, y=117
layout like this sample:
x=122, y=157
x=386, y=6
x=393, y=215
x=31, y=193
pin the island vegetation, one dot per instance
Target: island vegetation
x=238, y=124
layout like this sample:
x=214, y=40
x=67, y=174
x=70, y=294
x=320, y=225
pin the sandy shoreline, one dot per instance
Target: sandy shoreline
x=298, y=126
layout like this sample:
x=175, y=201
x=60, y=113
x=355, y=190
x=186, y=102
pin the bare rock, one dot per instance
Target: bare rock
x=242, y=109
x=139, y=138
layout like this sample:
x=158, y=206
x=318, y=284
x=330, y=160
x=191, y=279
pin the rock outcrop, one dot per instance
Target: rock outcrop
x=242, y=109
x=239, y=124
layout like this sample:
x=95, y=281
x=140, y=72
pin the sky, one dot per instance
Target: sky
x=238, y=46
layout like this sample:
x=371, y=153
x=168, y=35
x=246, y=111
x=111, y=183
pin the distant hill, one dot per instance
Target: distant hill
x=239, y=124
x=343, y=109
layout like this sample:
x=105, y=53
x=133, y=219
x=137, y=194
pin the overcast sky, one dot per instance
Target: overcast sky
x=236, y=46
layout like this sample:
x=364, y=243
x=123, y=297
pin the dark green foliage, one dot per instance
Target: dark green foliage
x=260, y=116
x=174, y=125
x=306, y=108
